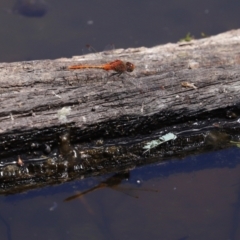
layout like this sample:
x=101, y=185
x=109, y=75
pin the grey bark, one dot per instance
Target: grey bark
x=41, y=99
x=33, y=92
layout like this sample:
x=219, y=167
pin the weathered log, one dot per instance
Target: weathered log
x=171, y=84
x=33, y=92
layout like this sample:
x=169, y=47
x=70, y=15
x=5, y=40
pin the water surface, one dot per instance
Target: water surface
x=197, y=198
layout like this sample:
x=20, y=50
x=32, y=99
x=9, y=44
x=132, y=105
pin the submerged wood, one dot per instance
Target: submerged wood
x=171, y=84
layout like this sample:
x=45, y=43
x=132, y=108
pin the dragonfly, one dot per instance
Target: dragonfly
x=118, y=66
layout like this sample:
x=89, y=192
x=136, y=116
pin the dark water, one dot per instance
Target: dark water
x=66, y=26
x=198, y=197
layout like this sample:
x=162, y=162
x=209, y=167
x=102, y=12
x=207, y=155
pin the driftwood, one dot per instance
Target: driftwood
x=180, y=83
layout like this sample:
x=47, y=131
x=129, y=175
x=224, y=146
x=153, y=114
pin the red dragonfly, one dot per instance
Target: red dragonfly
x=118, y=66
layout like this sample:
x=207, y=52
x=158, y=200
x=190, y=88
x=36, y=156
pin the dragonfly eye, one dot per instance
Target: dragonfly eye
x=130, y=66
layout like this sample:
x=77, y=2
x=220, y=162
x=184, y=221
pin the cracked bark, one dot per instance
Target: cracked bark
x=33, y=92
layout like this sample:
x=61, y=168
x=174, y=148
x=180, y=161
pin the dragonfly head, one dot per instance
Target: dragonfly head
x=129, y=67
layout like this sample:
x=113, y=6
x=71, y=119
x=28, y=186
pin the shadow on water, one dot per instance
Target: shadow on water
x=30, y=8
x=112, y=182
